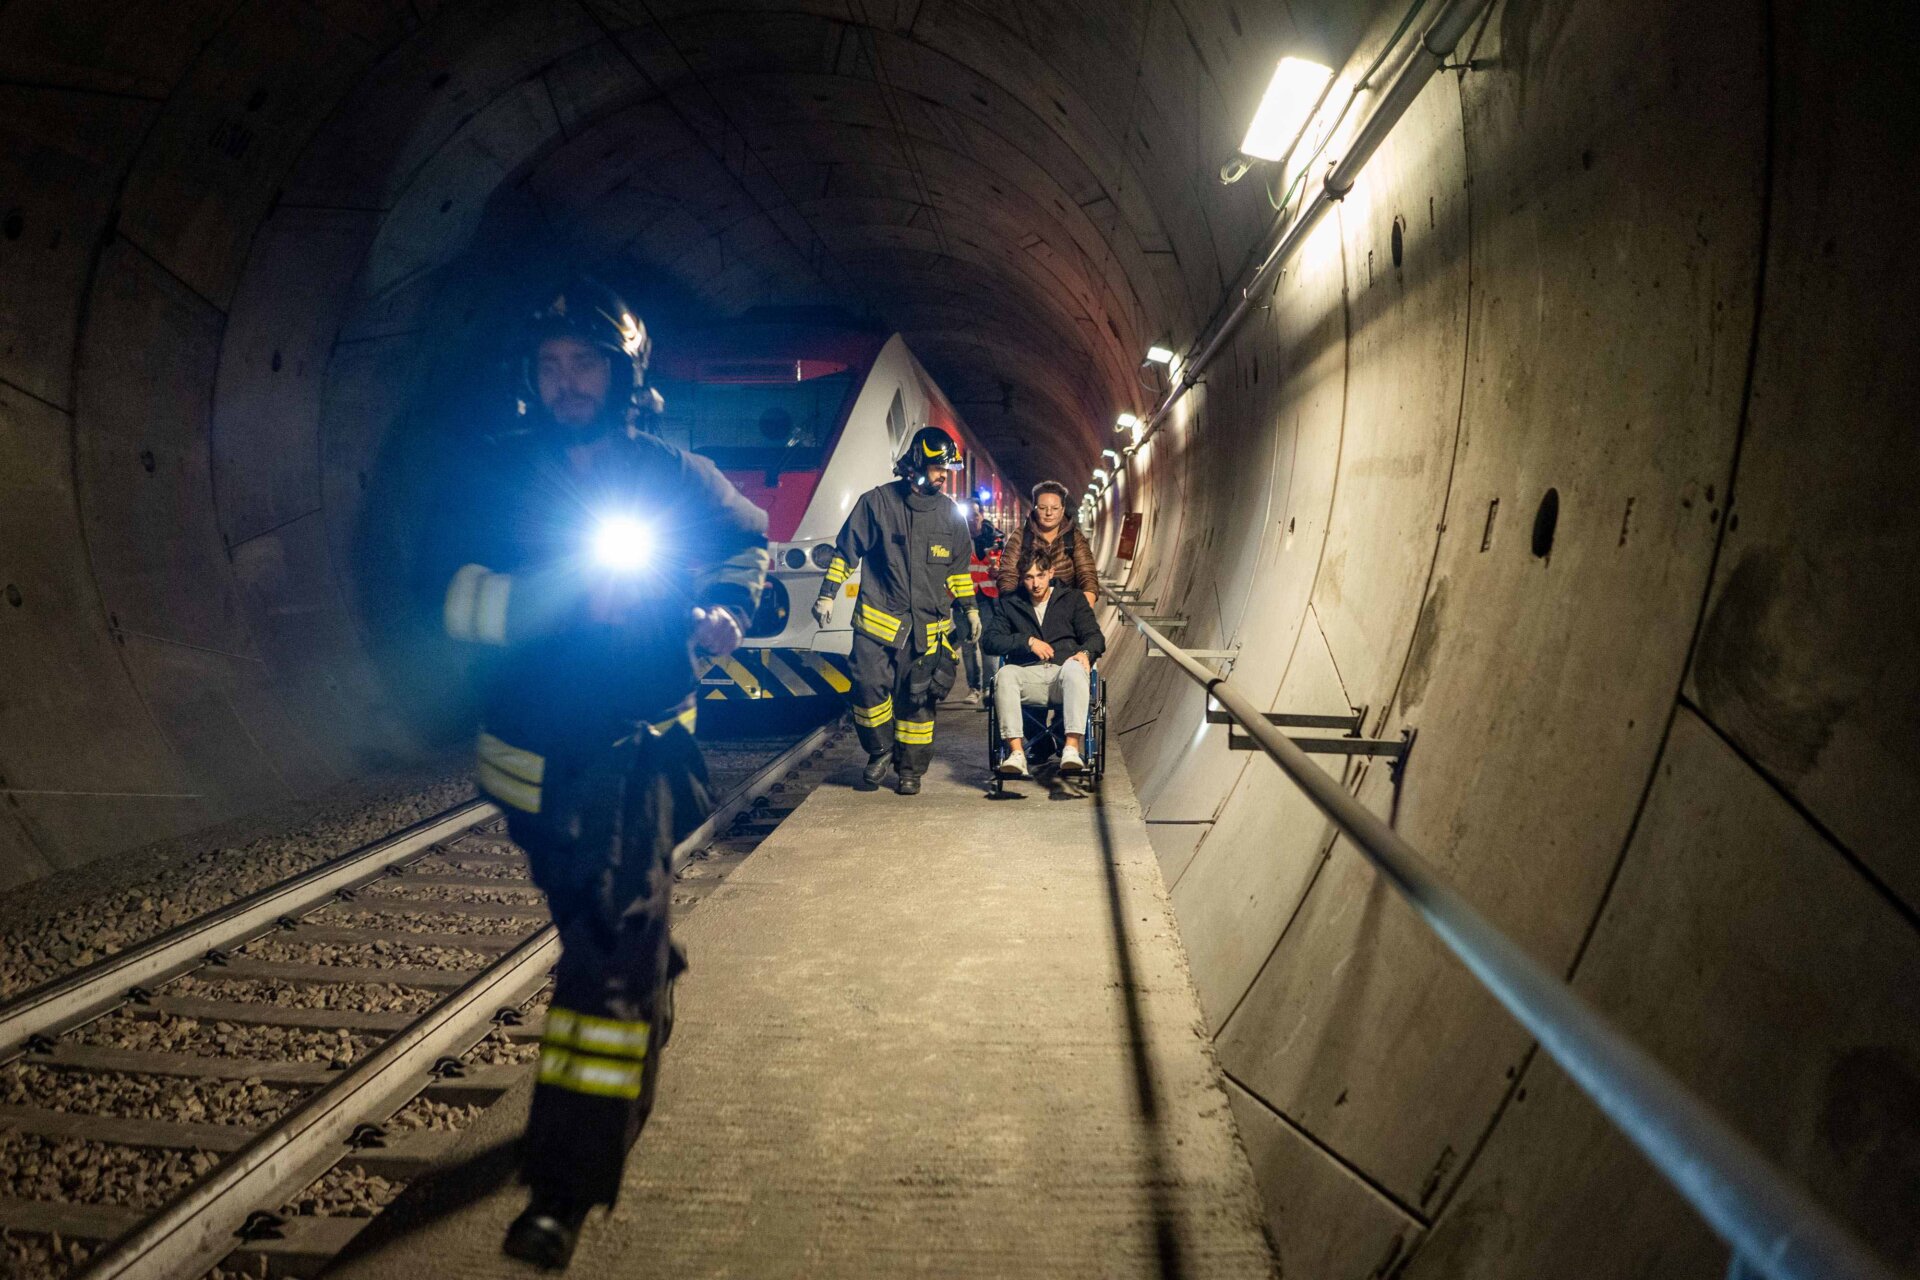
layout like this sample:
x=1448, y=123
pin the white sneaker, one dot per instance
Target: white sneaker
x=1015, y=765
x=1070, y=761
x=973, y=698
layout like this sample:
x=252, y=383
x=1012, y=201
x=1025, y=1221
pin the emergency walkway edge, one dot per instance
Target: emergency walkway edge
x=1774, y=1227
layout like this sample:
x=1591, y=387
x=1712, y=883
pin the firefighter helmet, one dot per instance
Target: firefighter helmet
x=931, y=449
x=590, y=312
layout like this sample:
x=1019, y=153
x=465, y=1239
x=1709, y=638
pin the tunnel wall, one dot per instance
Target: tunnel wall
x=1617, y=261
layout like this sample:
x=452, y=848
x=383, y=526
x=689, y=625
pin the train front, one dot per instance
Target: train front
x=801, y=416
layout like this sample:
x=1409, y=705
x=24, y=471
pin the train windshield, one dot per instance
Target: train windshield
x=759, y=419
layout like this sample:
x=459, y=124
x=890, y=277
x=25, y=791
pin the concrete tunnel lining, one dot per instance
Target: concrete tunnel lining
x=1629, y=269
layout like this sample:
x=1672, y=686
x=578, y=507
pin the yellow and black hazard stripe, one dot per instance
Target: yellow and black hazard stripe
x=747, y=675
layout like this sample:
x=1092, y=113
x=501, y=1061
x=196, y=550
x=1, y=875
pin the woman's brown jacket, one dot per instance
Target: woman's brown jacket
x=1072, y=558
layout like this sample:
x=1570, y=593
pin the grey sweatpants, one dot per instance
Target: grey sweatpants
x=1038, y=684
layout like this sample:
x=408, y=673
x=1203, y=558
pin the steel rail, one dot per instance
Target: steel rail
x=1772, y=1225
x=86, y=992
x=198, y=1228
x=1445, y=32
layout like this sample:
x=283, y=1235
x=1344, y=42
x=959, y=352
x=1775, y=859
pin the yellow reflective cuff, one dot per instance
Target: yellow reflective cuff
x=509, y=759
x=584, y=1073
x=913, y=732
x=507, y=789
x=476, y=605
x=837, y=571
x=873, y=717
x=878, y=624
x=590, y=1034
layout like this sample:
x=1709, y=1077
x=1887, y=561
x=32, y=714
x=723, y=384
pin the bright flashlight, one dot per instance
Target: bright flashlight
x=622, y=544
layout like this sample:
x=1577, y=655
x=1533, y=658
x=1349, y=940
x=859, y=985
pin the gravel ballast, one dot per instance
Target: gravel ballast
x=226, y=1039
x=37, y=1257
x=370, y=955
x=247, y=1103
x=82, y=1172
x=364, y=997
x=76, y=917
x=345, y=1191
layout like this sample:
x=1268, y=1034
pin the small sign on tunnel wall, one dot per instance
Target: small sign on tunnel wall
x=1129, y=535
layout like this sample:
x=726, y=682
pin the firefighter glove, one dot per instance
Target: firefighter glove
x=823, y=610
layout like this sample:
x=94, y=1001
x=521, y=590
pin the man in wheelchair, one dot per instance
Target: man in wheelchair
x=1048, y=640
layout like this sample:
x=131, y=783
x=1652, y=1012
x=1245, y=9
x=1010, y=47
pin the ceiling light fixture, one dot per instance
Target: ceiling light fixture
x=1292, y=95
x=1159, y=355
x=1126, y=422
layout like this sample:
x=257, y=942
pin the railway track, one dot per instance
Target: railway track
x=240, y=1095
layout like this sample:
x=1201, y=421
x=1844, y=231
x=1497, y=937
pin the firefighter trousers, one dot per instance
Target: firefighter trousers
x=601, y=849
x=894, y=695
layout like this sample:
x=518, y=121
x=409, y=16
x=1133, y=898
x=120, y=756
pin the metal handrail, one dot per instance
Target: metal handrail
x=1771, y=1224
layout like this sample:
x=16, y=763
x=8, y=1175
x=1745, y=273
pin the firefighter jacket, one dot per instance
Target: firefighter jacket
x=566, y=680
x=913, y=549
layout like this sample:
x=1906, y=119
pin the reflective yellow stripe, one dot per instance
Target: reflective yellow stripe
x=685, y=719
x=584, y=1073
x=515, y=761
x=961, y=585
x=508, y=789
x=913, y=732
x=881, y=626
x=828, y=672
x=873, y=717
x=837, y=571
x=940, y=626
x=743, y=677
x=589, y=1033
x=476, y=605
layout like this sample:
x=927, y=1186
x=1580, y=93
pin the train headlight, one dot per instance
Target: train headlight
x=795, y=558
x=822, y=555
x=623, y=544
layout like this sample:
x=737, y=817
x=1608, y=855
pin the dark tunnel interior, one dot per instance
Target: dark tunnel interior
x=1579, y=436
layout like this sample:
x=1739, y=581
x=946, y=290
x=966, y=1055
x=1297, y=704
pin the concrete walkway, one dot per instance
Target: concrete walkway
x=929, y=1036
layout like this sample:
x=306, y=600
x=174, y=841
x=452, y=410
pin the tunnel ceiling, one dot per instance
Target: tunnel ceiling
x=1025, y=191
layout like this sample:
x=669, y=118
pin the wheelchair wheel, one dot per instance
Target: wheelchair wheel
x=1097, y=735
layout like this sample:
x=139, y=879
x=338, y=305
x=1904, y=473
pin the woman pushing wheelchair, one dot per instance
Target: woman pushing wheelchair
x=1048, y=640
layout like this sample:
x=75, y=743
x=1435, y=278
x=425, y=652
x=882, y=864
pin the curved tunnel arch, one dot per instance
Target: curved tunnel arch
x=1674, y=756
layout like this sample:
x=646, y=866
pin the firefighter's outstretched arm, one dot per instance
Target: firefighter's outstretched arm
x=733, y=573
x=485, y=607
x=857, y=536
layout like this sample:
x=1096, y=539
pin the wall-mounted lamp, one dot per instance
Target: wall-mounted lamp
x=1292, y=95
x=1159, y=355
x=1100, y=474
x=1110, y=457
x=1126, y=422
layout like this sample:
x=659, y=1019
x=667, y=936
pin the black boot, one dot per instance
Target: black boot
x=909, y=784
x=876, y=770
x=546, y=1233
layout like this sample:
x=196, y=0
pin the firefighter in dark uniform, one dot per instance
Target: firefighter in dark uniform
x=596, y=559
x=912, y=543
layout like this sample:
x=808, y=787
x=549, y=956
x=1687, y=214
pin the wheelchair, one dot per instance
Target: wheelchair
x=1044, y=736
